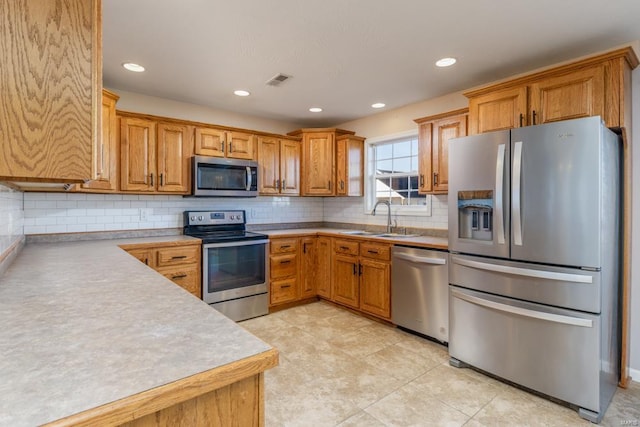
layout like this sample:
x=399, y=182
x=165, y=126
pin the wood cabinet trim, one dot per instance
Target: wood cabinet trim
x=336, y=131
x=626, y=53
x=439, y=116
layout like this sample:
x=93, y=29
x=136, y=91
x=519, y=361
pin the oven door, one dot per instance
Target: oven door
x=233, y=270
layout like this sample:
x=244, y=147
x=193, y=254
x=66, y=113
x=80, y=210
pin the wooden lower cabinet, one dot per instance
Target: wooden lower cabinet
x=308, y=267
x=346, y=281
x=179, y=262
x=324, y=272
x=375, y=287
x=284, y=283
x=361, y=276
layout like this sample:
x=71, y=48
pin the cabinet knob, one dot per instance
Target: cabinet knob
x=435, y=179
x=421, y=180
x=521, y=119
x=151, y=178
x=161, y=179
x=534, y=117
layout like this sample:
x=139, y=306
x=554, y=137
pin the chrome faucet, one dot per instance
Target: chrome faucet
x=384, y=202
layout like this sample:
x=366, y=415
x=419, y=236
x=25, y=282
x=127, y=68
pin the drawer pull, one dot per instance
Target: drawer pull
x=284, y=286
x=179, y=257
x=179, y=276
x=285, y=262
x=344, y=248
x=372, y=251
x=285, y=246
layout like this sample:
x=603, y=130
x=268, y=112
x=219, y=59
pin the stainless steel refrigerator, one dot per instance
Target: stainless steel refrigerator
x=534, y=235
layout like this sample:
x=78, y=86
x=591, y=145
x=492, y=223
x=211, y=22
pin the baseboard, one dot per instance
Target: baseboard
x=634, y=374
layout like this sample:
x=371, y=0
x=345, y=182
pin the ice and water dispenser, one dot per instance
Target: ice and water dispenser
x=475, y=215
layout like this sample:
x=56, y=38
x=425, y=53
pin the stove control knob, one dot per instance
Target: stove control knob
x=200, y=218
x=193, y=218
x=232, y=217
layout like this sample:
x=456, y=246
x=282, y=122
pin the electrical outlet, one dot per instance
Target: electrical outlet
x=254, y=213
x=144, y=215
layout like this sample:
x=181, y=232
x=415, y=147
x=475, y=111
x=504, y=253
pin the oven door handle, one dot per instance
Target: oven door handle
x=235, y=243
x=249, y=178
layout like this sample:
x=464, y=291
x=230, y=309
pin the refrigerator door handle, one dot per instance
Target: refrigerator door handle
x=527, y=272
x=420, y=260
x=500, y=194
x=524, y=312
x=516, y=197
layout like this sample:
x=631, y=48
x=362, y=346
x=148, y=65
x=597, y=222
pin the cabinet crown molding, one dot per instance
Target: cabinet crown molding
x=626, y=53
x=439, y=116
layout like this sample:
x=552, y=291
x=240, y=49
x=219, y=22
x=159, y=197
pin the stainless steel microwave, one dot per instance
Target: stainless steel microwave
x=220, y=177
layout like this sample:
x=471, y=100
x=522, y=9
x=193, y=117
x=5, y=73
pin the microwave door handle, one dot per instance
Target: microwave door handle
x=249, y=179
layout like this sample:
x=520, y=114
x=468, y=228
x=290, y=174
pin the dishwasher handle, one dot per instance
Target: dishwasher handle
x=420, y=259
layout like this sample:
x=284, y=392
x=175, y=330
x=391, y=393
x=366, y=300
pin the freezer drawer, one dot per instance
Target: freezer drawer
x=419, y=291
x=554, y=351
x=563, y=287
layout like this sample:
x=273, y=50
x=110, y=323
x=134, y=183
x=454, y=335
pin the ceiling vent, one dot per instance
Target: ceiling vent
x=278, y=79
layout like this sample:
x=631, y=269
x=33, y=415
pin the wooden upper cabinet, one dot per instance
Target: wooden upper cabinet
x=106, y=151
x=350, y=165
x=137, y=154
x=210, y=141
x=51, y=74
x=289, y=167
x=175, y=145
x=318, y=151
x=433, y=149
x=279, y=161
x=499, y=110
x=594, y=86
x=571, y=96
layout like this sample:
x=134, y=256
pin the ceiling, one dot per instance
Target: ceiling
x=344, y=55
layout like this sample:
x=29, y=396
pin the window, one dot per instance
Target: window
x=392, y=171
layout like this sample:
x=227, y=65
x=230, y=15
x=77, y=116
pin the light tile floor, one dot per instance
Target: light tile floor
x=340, y=369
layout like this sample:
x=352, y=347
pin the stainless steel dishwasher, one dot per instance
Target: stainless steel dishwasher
x=420, y=291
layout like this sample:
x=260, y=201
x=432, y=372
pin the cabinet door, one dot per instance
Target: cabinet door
x=349, y=166
x=571, y=96
x=324, y=267
x=51, y=74
x=308, y=267
x=241, y=145
x=425, y=170
x=318, y=164
x=137, y=154
x=499, y=110
x=444, y=130
x=210, y=142
x=290, y=167
x=174, y=154
x=106, y=151
x=283, y=265
x=144, y=255
x=269, y=161
x=375, y=288
x=346, y=280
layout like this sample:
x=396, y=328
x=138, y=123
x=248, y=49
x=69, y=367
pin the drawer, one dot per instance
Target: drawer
x=282, y=291
x=347, y=247
x=279, y=246
x=375, y=251
x=188, y=277
x=143, y=255
x=178, y=255
x=283, y=265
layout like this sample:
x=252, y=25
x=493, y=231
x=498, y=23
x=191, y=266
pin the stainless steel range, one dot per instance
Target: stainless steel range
x=234, y=275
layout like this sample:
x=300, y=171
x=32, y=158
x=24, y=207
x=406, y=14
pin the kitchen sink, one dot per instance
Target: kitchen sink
x=374, y=234
x=396, y=235
x=360, y=233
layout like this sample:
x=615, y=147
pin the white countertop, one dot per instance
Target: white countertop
x=83, y=324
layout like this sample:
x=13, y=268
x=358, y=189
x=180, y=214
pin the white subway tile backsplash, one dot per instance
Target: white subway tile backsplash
x=98, y=212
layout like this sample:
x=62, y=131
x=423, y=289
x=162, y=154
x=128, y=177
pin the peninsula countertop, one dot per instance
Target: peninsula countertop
x=84, y=324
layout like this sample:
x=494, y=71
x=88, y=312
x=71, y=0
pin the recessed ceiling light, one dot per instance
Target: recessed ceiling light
x=136, y=68
x=445, y=62
x=241, y=92
x=379, y=105
x=315, y=109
